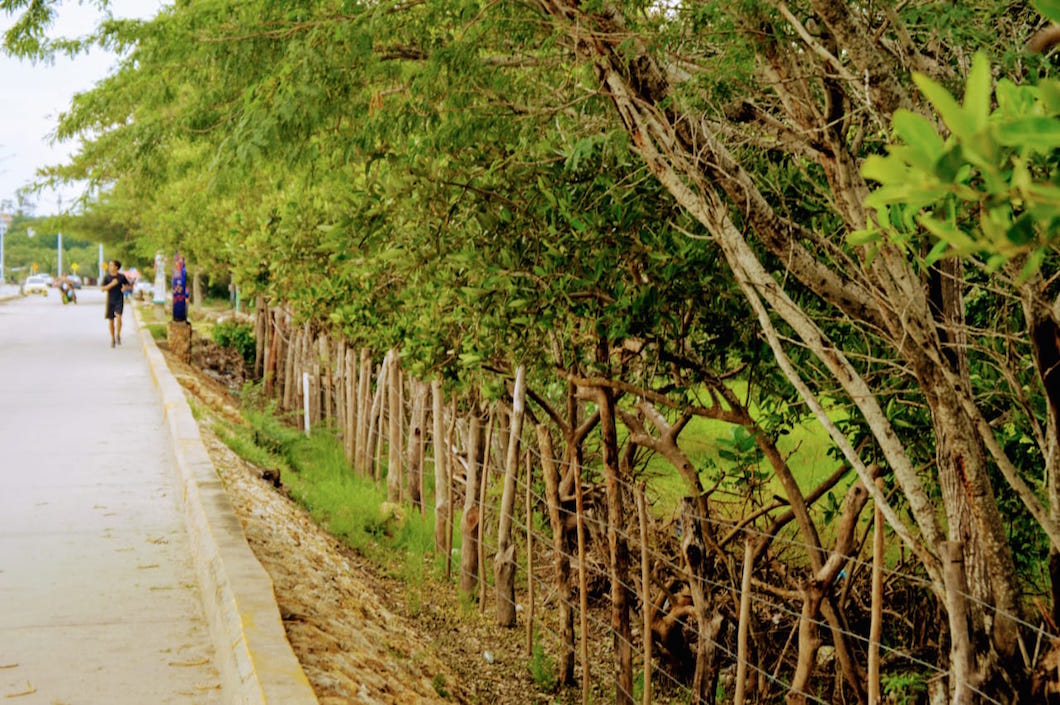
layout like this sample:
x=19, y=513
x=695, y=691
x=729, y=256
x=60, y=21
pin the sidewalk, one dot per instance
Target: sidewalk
x=8, y=291
x=99, y=577
x=97, y=587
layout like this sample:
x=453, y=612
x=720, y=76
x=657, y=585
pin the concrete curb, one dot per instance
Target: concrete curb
x=254, y=658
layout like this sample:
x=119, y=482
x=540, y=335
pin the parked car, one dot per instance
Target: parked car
x=37, y=284
x=74, y=280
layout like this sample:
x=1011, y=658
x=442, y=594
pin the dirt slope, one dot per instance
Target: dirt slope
x=346, y=622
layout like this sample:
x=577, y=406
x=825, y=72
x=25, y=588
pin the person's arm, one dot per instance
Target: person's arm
x=108, y=284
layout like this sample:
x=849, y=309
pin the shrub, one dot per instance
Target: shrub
x=237, y=336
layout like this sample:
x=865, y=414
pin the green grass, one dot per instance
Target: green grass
x=350, y=507
x=716, y=449
x=725, y=455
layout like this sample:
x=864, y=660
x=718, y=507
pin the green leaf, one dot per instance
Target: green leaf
x=1013, y=100
x=863, y=237
x=1049, y=9
x=950, y=233
x=995, y=262
x=1021, y=232
x=1033, y=264
x=886, y=170
x=939, y=251
x=960, y=124
x=1045, y=195
x=1039, y=133
x=920, y=134
x=949, y=167
x=1049, y=91
x=977, y=92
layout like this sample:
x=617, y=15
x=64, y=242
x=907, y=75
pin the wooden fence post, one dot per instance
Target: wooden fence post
x=441, y=471
x=375, y=422
x=647, y=609
x=340, y=372
x=487, y=460
x=744, y=624
x=364, y=411
x=450, y=462
x=876, y=614
x=529, y=557
x=469, y=523
x=583, y=580
x=352, y=405
x=325, y=409
x=393, y=469
x=416, y=440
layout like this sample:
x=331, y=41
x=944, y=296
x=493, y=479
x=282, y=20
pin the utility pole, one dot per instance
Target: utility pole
x=59, y=248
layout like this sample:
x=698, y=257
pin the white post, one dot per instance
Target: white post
x=305, y=400
x=59, y=247
x=101, y=263
x=159, y=293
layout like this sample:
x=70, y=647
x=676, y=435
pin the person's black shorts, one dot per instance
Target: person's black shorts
x=115, y=308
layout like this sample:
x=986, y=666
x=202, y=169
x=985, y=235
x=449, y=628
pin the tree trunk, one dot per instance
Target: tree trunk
x=1045, y=341
x=988, y=572
x=326, y=406
x=694, y=550
x=261, y=328
x=291, y=344
x=646, y=605
x=964, y=680
x=809, y=642
x=504, y=561
x=622, y=633
x=196, y=287
x=268, y=375
x=561, y=548
x=450, y=461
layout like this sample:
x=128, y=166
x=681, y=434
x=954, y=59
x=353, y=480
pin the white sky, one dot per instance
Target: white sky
x=33, y=95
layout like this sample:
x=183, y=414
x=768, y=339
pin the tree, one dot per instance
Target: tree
x=813, y=100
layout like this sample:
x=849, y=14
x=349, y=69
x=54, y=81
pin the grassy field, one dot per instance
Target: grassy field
x=727, y=458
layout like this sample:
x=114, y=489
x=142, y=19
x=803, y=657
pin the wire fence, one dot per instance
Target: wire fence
x=780, y=610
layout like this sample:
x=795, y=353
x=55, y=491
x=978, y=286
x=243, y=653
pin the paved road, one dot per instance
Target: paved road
x=99, y=603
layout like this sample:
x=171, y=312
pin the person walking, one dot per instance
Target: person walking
x=115, y=284
x=66, y=289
